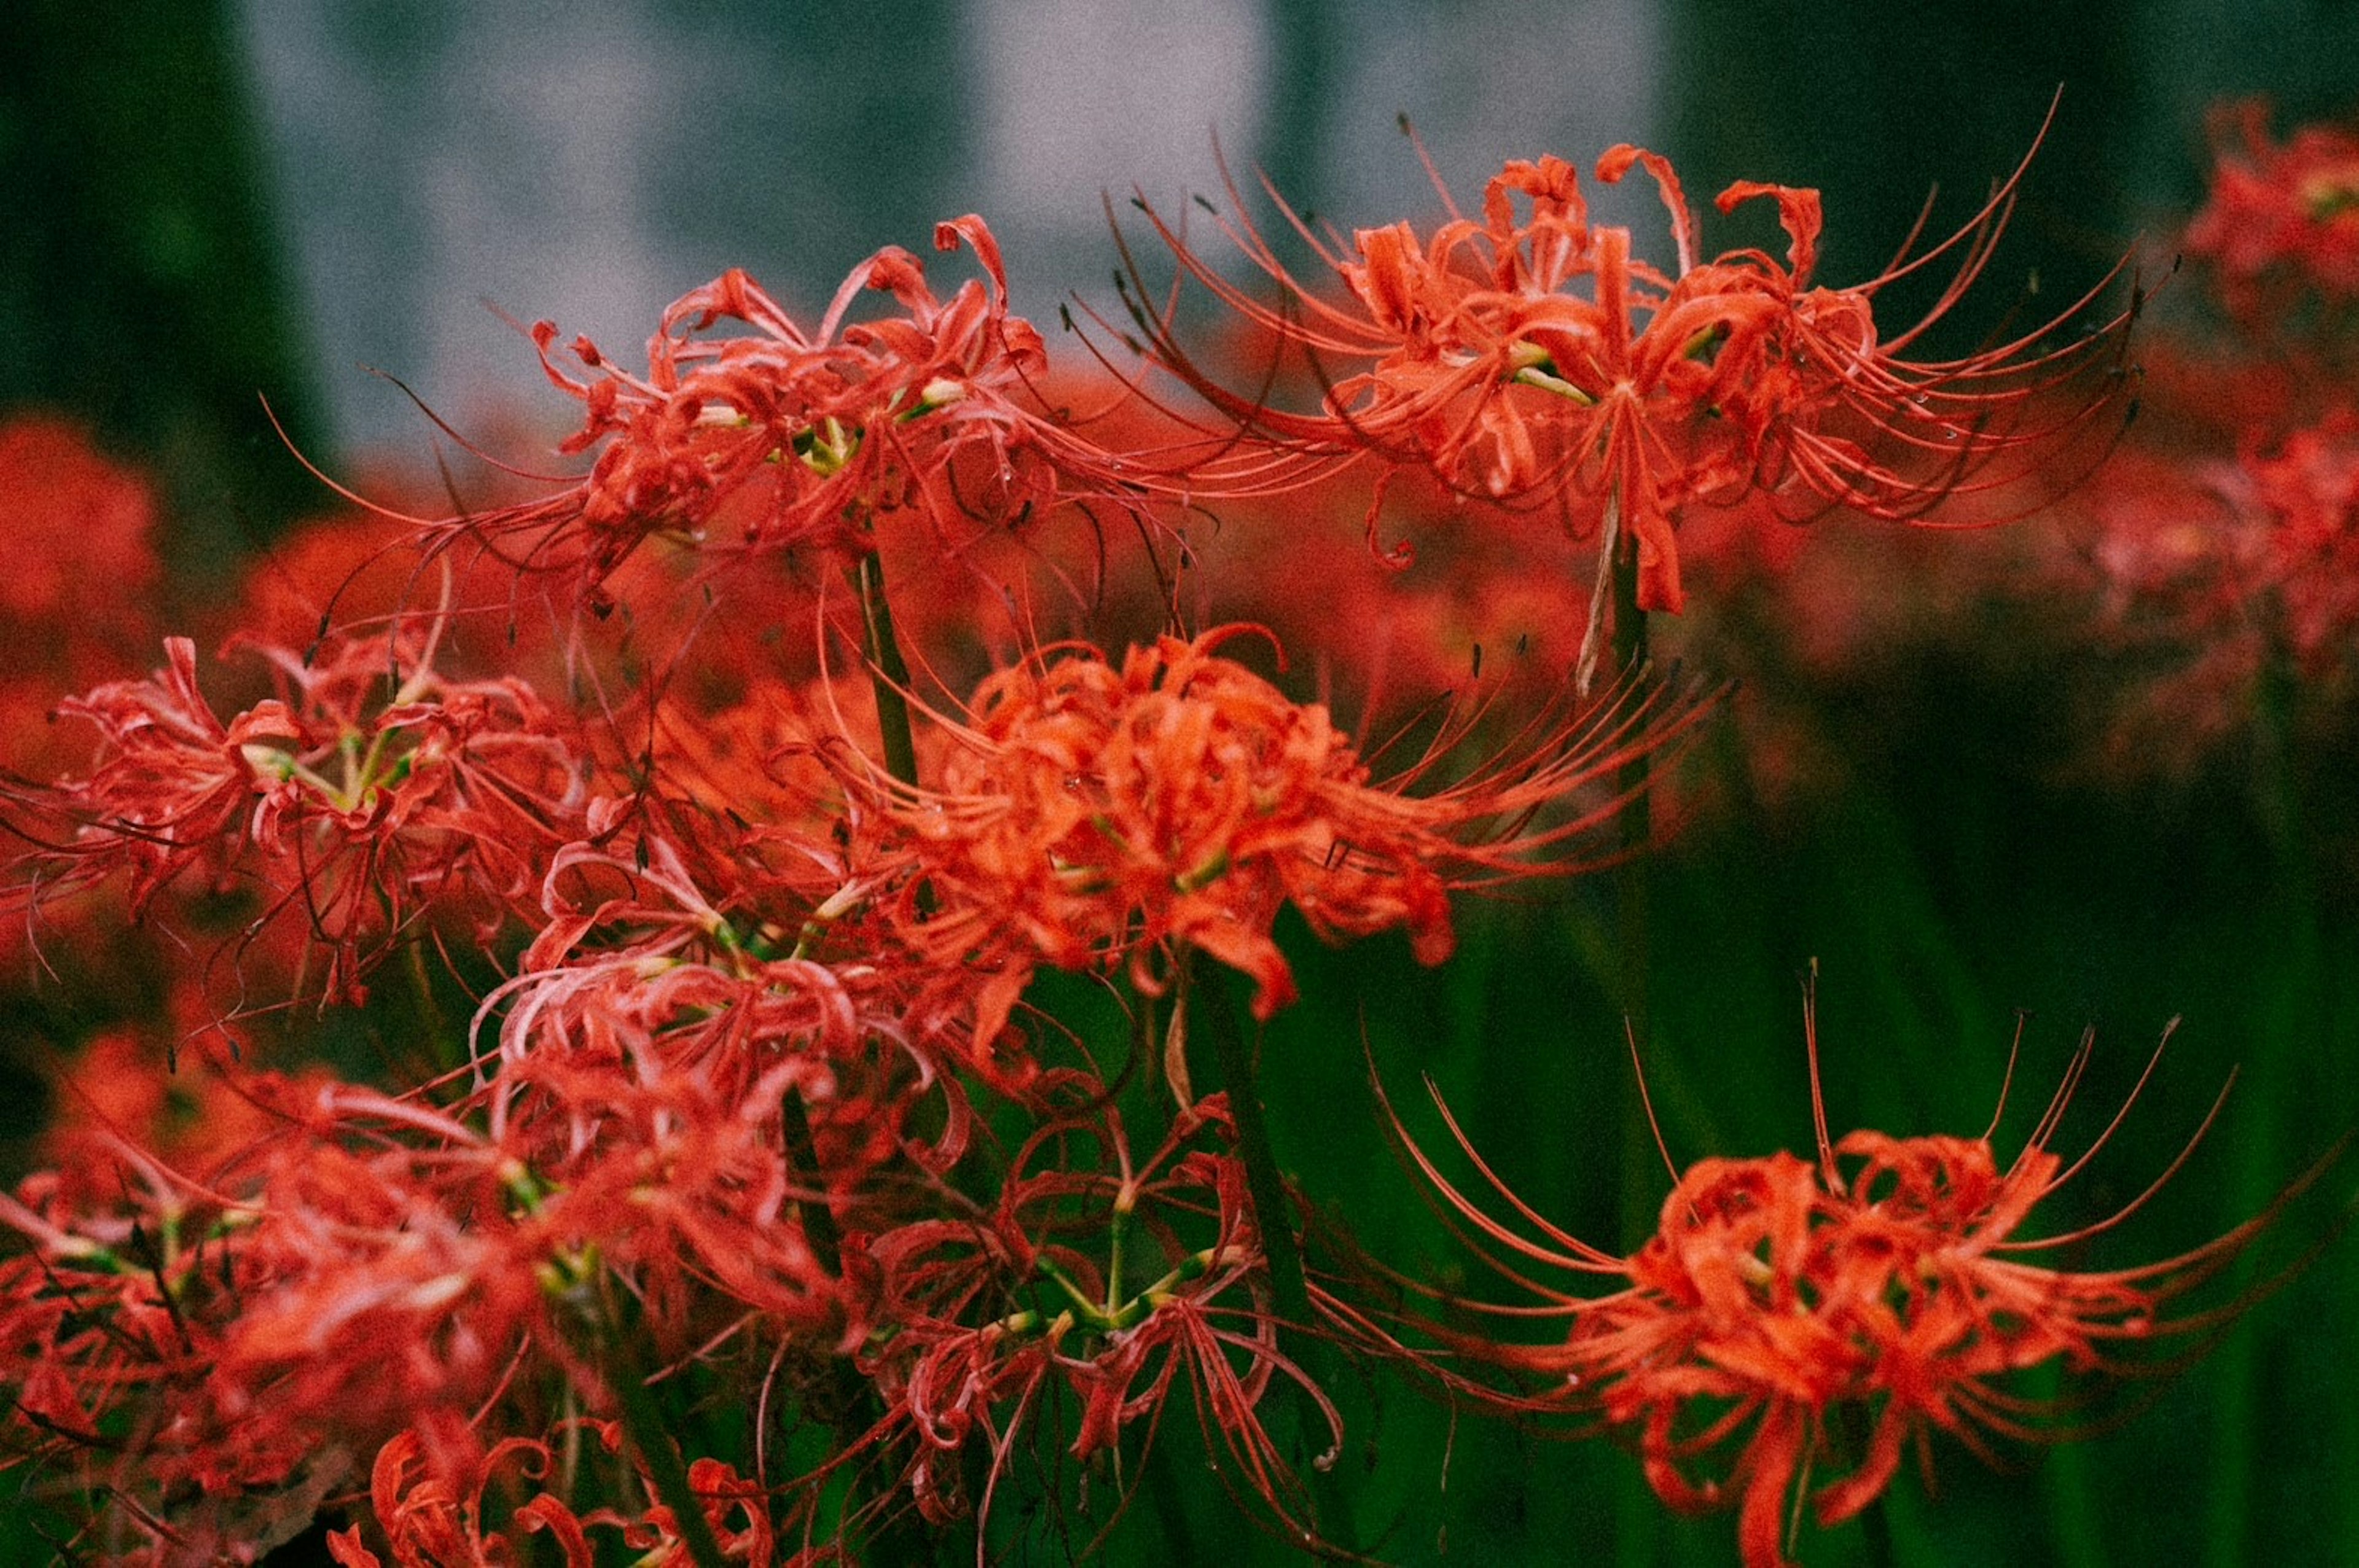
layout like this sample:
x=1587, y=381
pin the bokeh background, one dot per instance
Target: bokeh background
x=201, y=202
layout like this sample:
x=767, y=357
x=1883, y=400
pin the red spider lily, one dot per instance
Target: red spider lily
x=376, y=1264
x=1531, y=358
x=687, y=1193
x=2283, y=217
x=432, y=1522
x=346, y=811
x=651, y=979
x=1094, y=1275
x=2214, y=575
x=2307, y=483
x=800, y=439
x=1884, y=1289
x=1092, y=811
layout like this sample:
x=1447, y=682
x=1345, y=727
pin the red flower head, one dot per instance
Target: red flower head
x=802, y=438
x=206, y=1356
x=2283, y=219
x=1784, y=1306
x=204, y=1352
x=2306, y=487
x=345, y=809
x=775, y=947
x=1530, y=356
x=1176, y=800
x=436, y=1521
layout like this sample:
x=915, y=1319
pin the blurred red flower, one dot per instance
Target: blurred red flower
x=2283, y=216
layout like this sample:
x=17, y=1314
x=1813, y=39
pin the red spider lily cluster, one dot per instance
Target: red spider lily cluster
x=2233, y=573
x=2222, y=549
x=699, y=893
x=1175, y=802
x=342, y=806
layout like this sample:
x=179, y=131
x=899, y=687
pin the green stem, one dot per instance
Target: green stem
x=1637, y=1520
x=1173, y=1516
x=1634, y=898
x=1636, y=823
x=448, y=1051
x=1273, y=1215
x=1852, y=1435
x=802, y=1154
x=2291, y=1008
x=2077, y=1518
x=648, y=1431
x=897, y=1538
x=888, y=674
x=1878, y=1530
x=643, y=1424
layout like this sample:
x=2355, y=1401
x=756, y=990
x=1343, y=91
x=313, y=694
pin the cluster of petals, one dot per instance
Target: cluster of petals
x=1528, y=355
x=345, y=811
x=2214, y=573
x=2306, y=485
x=431, y=1518
x=1797, y=1323
x=2282, y=218
x=801, y=438
x=636, y=969
x=207, y=1350
x=374, y=1266
x=1176, y=800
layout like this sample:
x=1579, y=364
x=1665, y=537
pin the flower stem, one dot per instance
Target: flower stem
x=1632, y=896
x=1273, y=1214
x=1878, y=1532
x=802, y=1155
x=1636, y=823
x=1635, y=1520
x=643, y=1424
x=888, y=673
x=2292, y=1006
x=1274, y=1218
x=647, y=1430
x=1851, y=1437
x=888, y=676
x=445, y=1049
